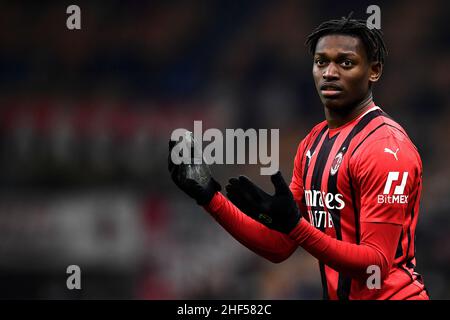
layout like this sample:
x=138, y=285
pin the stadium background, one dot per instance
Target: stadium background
x=85, y=117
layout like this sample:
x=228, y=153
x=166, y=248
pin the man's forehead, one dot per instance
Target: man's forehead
x=340, y=43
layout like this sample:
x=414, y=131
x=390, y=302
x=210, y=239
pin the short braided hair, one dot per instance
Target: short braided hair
x=371, y=38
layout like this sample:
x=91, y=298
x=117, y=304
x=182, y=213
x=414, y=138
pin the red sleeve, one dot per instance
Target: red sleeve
x=268, y=243
x=386, y=172
x=377, y=247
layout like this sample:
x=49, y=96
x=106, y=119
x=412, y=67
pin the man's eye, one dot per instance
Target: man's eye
x=347, y=63
x=319, y=62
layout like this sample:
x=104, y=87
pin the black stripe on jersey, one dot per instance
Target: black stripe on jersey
x=409, y=241
x=344, y=283
x=410, y=265
x=323, y=278
x=371, y=132
x=406, y=271
x=409, y=230
x=319, y=167
x=312, y=150
x=389, y=117
x=401, y=131
x=316, y=184
x=399, y=251
x=355, y=209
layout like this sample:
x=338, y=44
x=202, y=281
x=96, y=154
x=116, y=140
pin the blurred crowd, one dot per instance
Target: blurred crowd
x=85, y=118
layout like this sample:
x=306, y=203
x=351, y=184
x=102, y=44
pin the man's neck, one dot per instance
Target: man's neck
x=337, y=119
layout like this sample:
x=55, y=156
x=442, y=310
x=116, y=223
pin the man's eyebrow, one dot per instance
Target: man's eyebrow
x=340, y=54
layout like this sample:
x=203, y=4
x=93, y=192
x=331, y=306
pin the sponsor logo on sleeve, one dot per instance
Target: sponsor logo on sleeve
x=394, y=189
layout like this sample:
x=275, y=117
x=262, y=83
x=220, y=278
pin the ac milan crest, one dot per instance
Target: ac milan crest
x=336, y=163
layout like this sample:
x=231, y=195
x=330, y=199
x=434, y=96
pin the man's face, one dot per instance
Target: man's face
x=342, y=71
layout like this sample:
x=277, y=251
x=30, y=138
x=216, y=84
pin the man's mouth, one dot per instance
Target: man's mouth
x=330, y=89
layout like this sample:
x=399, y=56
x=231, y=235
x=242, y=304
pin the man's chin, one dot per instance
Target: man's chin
x=334, y=104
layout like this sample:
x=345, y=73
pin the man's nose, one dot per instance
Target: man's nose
x=331, y=72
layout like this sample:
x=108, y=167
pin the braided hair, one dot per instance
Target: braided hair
x=371, y=38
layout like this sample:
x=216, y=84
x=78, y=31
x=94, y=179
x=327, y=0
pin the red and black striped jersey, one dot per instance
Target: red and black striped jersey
x=367, y=171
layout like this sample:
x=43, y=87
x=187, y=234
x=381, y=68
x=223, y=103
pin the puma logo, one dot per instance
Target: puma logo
x=309, y=155
x=387, y=150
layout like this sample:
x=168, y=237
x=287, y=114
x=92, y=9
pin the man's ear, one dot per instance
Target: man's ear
x=376, y=68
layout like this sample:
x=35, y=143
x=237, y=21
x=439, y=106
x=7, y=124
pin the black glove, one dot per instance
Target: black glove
x=278, y=211
x=194, y=179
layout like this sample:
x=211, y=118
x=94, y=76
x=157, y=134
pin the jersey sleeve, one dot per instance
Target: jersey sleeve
x=386, y=172
x=268, y=243
x=376, y=247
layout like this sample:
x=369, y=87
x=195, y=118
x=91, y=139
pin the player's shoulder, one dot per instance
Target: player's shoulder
x=382, y=128
x=391, y=128
x=387, y=137
x=317, y=130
